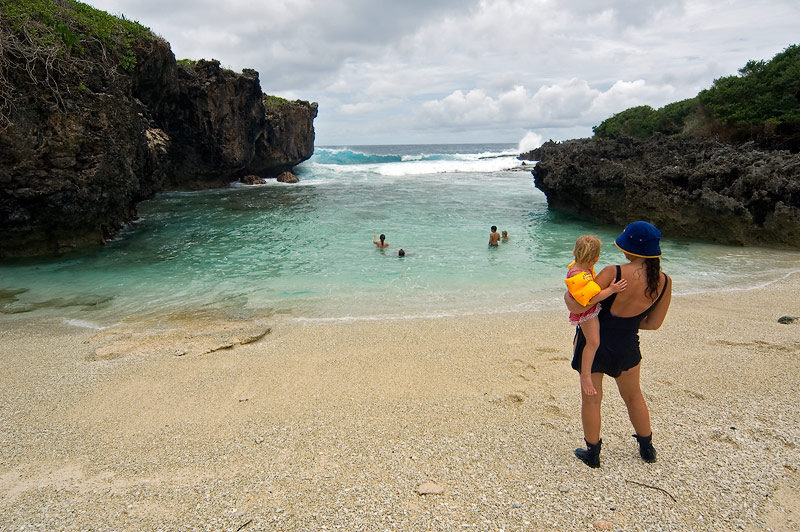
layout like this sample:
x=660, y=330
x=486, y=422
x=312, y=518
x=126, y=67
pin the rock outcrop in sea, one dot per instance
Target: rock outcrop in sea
x=695, y=188
x=86, y=136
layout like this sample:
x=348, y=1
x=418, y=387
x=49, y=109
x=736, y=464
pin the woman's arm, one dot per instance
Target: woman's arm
x=656, y=316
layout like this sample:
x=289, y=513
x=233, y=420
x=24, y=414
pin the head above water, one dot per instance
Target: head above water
x=402, y=252
x=382, y=237
x=640, y=239
x=494, y=228
x=587, y=249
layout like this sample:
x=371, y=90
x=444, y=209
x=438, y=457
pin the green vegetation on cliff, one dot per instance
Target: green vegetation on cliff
x=60, y=42
x=271, y=102
x=644, y=121
x=63, y=26
x=762, y=102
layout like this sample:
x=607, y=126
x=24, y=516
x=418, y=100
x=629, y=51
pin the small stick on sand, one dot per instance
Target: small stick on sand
x=652, y=487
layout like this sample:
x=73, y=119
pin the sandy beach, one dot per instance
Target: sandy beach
x=197, y=424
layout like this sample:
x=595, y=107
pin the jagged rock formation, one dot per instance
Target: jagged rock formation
x=287, y=177
x=83, y=139
x=252, y=180
x=222, y=127
x=286, y=139
x=727, y=193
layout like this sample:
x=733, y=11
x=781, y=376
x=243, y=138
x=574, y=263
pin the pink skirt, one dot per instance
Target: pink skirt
x=586, y=315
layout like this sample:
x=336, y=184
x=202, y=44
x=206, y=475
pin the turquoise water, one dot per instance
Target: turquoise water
x=305, y=251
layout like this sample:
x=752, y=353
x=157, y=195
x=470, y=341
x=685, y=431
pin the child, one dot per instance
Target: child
x=505, y=236
x=583, y=289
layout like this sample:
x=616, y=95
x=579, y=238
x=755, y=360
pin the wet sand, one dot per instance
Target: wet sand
x=197, y=424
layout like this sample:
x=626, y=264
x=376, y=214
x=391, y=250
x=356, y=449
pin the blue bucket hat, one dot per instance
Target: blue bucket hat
x=640, y=239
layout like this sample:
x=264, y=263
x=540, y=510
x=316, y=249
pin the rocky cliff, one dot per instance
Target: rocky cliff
x=727, y=193
x=90, y=129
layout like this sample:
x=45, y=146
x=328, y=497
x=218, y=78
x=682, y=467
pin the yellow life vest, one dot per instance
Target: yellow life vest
x=582, y=286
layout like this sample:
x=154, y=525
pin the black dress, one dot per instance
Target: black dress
x=619, y=339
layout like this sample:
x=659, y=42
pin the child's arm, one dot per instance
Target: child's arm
x=605, y=277
x=611, y=289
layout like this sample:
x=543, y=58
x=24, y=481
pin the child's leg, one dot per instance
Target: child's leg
x=591, y=331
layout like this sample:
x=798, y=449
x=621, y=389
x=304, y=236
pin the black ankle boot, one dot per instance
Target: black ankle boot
x=646, y=450
x=591, y=455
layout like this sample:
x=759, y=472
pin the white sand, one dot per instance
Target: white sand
x=333, y=426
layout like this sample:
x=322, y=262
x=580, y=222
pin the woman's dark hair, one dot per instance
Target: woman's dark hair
x=652, y=268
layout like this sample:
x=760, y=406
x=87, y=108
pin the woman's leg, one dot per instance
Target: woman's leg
x=590, y=410
x=631, y=392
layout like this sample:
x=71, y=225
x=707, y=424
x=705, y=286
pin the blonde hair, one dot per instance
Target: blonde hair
x=587, y=248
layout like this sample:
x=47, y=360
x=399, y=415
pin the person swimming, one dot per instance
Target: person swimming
x=494, y=237
x=382, y=243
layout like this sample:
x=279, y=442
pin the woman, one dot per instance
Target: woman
x=642, y=305
x=382, y=244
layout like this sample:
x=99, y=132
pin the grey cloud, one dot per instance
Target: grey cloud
x=304, y=43
x=380, y=22
x=372, y=66
x=624, y=13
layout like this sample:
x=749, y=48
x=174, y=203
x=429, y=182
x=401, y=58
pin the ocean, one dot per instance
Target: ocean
x=305, y=252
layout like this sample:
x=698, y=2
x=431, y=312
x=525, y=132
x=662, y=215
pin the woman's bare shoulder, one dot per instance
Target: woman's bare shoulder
x=608, y=271
x=606, y=275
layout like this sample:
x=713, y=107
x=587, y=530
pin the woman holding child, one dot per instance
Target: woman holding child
x=641, y=303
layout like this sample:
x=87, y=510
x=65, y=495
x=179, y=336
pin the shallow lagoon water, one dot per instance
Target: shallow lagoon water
x=305, y=251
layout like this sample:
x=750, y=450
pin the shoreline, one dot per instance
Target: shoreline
x=102, y=311
x=336, y=424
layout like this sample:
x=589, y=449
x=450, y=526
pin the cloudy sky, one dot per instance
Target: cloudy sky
x=451, y=71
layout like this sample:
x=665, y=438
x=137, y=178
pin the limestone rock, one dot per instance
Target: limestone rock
x=157, y=141
x=695, y=188
x=252, y=180
x=288, y=177
x=178, y=335
x=287, y=137
x=80, y=154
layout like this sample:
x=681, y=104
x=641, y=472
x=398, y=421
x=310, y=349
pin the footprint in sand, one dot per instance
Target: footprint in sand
x=696, y=395
x=517, y=397
x=525, y=374
x=724, y=436
x=555, y=411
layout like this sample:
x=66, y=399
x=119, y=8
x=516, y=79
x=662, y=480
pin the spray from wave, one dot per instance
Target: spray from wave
x=529, y=142
x=416, y=160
